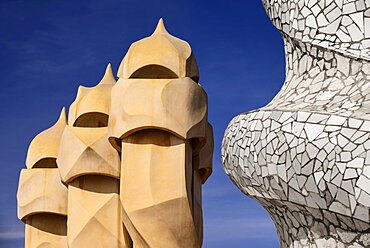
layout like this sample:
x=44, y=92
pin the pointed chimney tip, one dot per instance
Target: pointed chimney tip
x=161, y=28
x=62, y=117
x=108, y=77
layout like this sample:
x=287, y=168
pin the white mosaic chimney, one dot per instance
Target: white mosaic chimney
x=305, y=157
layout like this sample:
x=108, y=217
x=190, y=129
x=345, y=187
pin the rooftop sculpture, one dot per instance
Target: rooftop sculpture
x=127, y=167
x=305, y=157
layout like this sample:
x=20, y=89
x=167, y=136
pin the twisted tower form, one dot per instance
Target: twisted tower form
x=127, y=166
x=305, y=157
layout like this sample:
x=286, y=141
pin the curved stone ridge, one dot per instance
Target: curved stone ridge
x=43, y=149
x=92, y=105
x=41, y=191
x=86, y=151
x=142, y=103
x=306, y=155
x=160, y=55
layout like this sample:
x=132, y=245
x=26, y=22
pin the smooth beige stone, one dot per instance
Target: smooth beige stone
x=156, y=190
x=197, y=204
x=86, y=151
x=41, y=191
x=203, y=162
x=202, y=166
x=95, y=213
x=160, y=55
x=157, y=113
x=43, y=149
x=92, y=105
x=178, y=106
x=46, y=230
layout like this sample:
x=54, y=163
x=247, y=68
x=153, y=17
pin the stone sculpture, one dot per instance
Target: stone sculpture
x=305, y=157
x=127, y=167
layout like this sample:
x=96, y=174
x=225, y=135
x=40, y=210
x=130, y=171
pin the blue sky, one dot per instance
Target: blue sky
x=48, y=48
